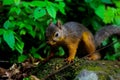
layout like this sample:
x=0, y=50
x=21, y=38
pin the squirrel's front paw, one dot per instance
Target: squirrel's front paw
x=69, y=60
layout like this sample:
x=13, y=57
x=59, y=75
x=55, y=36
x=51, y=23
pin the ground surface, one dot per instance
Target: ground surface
x=57, y=69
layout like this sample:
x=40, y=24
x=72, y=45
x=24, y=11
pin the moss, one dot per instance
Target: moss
x=93, y=68
x=102, y=77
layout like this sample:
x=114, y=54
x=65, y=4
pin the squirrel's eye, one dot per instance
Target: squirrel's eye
x=56, y=35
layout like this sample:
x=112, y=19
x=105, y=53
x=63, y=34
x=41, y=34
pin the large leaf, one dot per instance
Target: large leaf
x=51, y=11
x=38, y=3
x=8, y=2
x=61, y=7
x=117, y=3
x=109, y=15
x=16, y=10
x=100, y=11
x=9, y=38
x=39, y=12
x=25, y=4
x=7, y=24
x=17, y=2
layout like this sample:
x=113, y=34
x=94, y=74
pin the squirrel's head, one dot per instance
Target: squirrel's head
x=54, y=33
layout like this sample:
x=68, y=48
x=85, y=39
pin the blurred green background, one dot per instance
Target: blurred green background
x=23, y=24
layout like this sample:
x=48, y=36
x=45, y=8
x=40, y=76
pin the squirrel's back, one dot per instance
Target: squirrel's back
x=74, y=29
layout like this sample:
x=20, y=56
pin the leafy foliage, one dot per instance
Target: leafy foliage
x=23, y=22
x=27, y=18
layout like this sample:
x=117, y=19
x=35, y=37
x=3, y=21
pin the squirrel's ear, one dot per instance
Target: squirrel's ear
x=50, y=22
x=59, y=24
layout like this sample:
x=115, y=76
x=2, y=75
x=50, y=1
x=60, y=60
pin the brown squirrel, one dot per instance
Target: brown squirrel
x=72, y=33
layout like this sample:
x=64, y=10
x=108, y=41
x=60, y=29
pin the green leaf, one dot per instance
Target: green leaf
x=61, y=51
x=27, y=78
x=39, y=12
x=17, y=2
x=116, y=45
x=15, y=9
x=47, y=50
x=51, y=11
x=37, y=3
x=22, y=32
x=32, y=33
x=61, y=7
x=117, y=3
x=117, y=54
x=2, y=31
x=7, y=24
x=96, y=25
x=100, y=11
x=29, y=27
x=11, y=18
x=107, y=1
x=42, y=31
x=25, y=4
x=109, y=15
x=19, y=45
x=30, y=30
x=33, y=50
x=117, y=20
x=42, y=45
x=110, y=57
x=93, y=4
x=22, y=58
x=9, y=38
x=88, y=1
x=20, y=24
x=8, y=2
x=36, y=55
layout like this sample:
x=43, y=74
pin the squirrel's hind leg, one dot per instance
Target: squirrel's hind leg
x=90, y=46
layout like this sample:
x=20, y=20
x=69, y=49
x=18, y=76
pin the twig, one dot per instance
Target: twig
x=4, y=61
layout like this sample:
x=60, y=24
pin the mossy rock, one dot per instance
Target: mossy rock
x=57, y=69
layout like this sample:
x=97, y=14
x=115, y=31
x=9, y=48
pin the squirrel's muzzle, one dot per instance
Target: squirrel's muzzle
x=51, y=42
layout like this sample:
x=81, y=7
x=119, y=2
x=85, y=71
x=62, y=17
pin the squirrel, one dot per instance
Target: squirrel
x=72, y=33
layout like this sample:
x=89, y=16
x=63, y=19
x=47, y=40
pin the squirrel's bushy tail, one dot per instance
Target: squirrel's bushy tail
x=106, y=32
